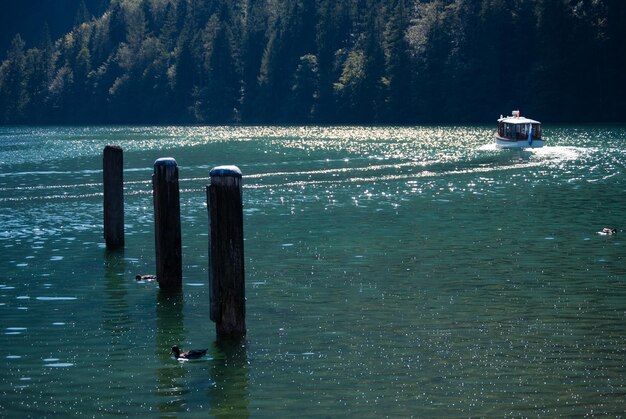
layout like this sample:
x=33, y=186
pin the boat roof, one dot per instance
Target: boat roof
x=516, y=118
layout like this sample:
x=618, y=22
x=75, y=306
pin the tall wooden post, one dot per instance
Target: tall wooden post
x=113, y=182
x=226, y=273
x=168, y=244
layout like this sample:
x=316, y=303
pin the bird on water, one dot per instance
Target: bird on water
x=146, y=278
x=191, y=354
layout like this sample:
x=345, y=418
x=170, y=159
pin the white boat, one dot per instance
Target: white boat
x=516, y=131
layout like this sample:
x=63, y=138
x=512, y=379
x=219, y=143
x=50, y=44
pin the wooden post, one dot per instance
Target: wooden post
x=226, y=272
x=113, y=182
x=168, y=244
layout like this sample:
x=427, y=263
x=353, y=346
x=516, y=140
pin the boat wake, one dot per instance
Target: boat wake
x=561, y=152
x=488, y=147
x=494, y=159
x=558, y=152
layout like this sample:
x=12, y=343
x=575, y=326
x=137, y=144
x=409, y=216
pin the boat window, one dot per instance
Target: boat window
x=519, y=131
x=537, y=131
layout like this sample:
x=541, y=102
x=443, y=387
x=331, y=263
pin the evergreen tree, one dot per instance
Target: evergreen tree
x=169, y=29
x=396, y=80
x=82, y=14
x=305, y=89
x=216, y=96
x=254, y=65
x=350, y=88
x=13, y=95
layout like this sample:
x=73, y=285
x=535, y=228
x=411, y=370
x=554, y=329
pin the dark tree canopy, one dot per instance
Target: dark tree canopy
x=30, y=17
x=312, y=61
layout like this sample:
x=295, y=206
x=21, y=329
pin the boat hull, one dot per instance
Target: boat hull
x=508, y=143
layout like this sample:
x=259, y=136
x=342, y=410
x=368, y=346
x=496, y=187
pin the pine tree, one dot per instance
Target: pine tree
x=305, y=90
x=396, y=80
x=82, y=14
x=13, y=94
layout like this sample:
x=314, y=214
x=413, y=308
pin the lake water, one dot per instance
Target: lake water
x=390, y=271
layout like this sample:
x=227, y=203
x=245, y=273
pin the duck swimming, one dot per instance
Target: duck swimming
x=191, y=354
x=146, y=278
x=607, y=231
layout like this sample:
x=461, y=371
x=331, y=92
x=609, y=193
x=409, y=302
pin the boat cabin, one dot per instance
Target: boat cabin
x=516, y=127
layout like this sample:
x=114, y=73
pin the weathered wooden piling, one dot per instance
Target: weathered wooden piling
x=168, y=243
x=226, y=273
x=113, y=182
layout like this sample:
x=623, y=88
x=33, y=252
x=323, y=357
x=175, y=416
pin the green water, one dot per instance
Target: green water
x=389, y=272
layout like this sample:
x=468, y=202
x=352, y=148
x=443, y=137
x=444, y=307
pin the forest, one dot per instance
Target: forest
x=318, y=62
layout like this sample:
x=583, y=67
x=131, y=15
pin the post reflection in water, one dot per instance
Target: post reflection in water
x=169, y=324
x=216, y=384
x=229, y=394
x=116, y=316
